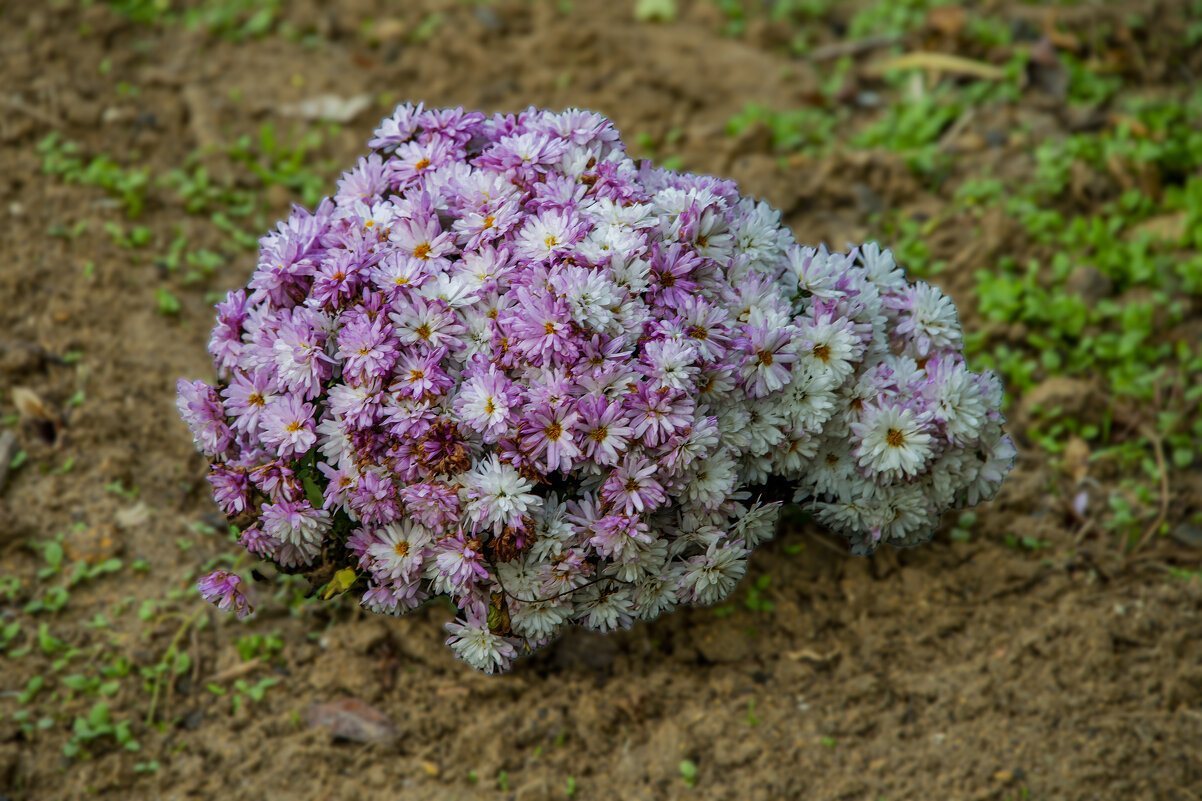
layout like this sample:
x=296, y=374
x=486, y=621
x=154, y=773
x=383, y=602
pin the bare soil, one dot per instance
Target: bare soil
x=964, y=669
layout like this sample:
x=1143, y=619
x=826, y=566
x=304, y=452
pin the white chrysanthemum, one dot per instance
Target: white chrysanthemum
x=832, y=470
x=539, y=620
x=758, y=234
x=630, y=271
x=817, y=271
x=843, y=515
x=604, y=607
x=671, y=363
x=654, y=595
x=638, y=559
x=542, y=236
x=929, y=323
x=333, y=442
x=478, y=267
x=479, y=647
x=897, y=511
x=956, y=401
x=828, y=347
x=999, y=453
x=711, y=481
x=399, y=550
x=893, y=441
x=698, y=441
x=732, y=425
x=809, y=400
x=552, y=531
x=497, y=494
x=758, y=524
x=764, y=425
x=575, y=160
x=608, y=212
x=882, y=269
x=709, y=577
x=479, y=335
x=753, y=469
x=521, y=577
x=714, y=386
x=792, y=459
x=695, y=533
x=454, y=290
x=606, y=241
x=591, y=296
x=904, y=373
x=950, y=472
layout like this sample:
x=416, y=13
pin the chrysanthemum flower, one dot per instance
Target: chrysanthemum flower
x=509, y=365
x=223, y=588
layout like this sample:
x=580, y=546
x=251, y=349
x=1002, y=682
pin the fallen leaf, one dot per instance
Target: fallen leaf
x=655, y=10
x=1076, y=459
x=1045, y=71
x=327, y=107
x=948, y=20
x=132, y=517
x=1166, y=227
x=352, y=719
x=811, y=655
x=34, y=411
x=937, y=62
x=30, y=405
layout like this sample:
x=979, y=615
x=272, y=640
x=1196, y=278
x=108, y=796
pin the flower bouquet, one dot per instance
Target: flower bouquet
x=508, y=364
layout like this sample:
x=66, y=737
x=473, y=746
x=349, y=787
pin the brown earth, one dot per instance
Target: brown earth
x=959, y=670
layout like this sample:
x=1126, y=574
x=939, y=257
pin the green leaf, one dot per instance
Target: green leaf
x=341, y=582
x=655, y=10
x=98, y=717
x=312, y=491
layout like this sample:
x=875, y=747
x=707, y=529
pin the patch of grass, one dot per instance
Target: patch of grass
x=286, y=163
x=654, y=148
x=254, y=693
x=801, y=130
x=235, y=20
x=756, y=591
x=64, y=158
x=913, y=128
x=1026, y=543
x=96, y=725
x=168, y=303
x=885, y=17
x=688, y=772
x=752, y=719
x=259, y=646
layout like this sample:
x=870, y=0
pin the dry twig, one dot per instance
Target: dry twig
x=851, y=48
x=1163, y=469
